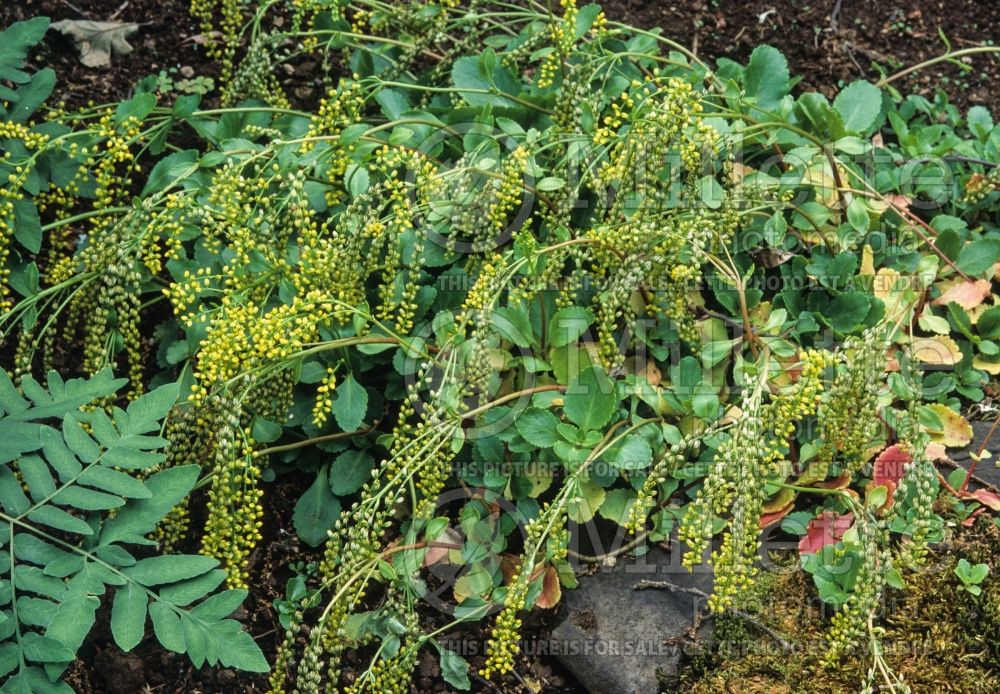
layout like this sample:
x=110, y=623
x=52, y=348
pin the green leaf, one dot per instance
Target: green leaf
x=316, y=511
x=980, y=122
x=350, y=470
x=128, y=616
x=454, y=669
x=705, y=402
x=87, y=499
x=537, y=427
x=9, y=651
x=42, y=649
x=857, y=215
x=27, y=225
x=15, y=42
x=186, y=592
x=474, y=74
x=582, y=507
x=36, y=476
x=167, y=488
x=590, y=398
x=79, y=441
x=29, y=97
x=859, y=105
x=979, y=572
x=617, y=505
x=60, y=520
x=766, y=78
x=550, y=183
x=114, y=481
x=513, y=324
x=243, y=653
x=167, y=627
x=220, y=605
x=169, y=170
x=988, y=325
x=158, y=570
x=145, y=413
x=711, y=192
x=979, y=256
x=567, y=325
x=351, y=404
x=847, y=311
x=73, y=620
x=12, y=497
x=632, y=452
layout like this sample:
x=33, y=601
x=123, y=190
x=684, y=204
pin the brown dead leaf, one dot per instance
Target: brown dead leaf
x=967, y=294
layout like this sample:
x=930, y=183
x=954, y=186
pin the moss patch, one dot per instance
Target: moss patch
x=937, y=637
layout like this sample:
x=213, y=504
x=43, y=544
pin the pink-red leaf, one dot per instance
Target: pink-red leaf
x=891, y=464
x=826, y=529
x=986, y=498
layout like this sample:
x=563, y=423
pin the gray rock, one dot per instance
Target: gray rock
x=616, y=639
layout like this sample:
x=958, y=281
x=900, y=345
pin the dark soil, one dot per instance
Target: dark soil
x=825, y=45
x=167, y=38
x=829, y=50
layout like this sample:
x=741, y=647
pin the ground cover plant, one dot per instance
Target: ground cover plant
x=523, y=270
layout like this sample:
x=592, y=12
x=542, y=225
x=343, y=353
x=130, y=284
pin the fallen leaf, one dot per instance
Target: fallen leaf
x=551, y=591
x=955, y=432
x=986, y=498
x=826, y=529
x=939, y=349
x=98, y=41
x=967, y=294
x=890, y=466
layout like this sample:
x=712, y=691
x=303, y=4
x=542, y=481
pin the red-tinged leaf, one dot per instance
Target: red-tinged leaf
x=899, y=202
x=551, y=591
x=510, y=566
x=439, y=549
x=986, y=498
x=890, y=466
x=825, y=529
x=971, y=520
x=839, y=482
x=890, y=493
x=775, y=516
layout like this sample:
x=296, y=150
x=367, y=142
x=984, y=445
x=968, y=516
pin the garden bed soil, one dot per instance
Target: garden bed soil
x=831, y=43
x=828, y=43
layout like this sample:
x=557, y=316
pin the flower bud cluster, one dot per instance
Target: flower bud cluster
x=848, y=416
